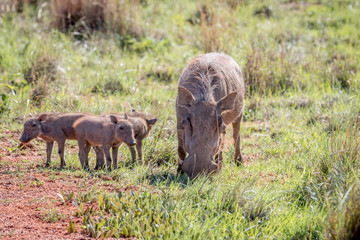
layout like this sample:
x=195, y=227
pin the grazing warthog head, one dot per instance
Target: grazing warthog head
x=124, y=131
x=32, y=128
x=204, y=130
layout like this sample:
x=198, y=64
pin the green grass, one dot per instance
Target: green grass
x=51, y=215
x=300, y=135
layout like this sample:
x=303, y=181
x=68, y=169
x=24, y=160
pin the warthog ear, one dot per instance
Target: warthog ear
x=126, y=116
x=42, y=117
x=114, y=119
x=226, y=103
x=151, y=122
x=185, y=97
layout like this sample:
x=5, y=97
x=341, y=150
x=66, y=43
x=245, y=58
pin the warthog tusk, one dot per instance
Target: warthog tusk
x=194, y=163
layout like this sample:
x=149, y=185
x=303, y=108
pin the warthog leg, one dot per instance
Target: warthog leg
x=81, y=142
x=99, y=157
x=49, y=147
x=114, y=152
x=139, y=148
x=108, y=157
x=236, y=136
x=219, y=158
x=86, y=159
x=133, y=153
x=61, y=149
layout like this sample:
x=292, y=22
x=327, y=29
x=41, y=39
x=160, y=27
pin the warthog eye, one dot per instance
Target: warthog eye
x=33, y=125
x=220, y=120
x=121, y=128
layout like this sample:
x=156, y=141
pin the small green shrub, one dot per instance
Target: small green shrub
x=52, y=215
x=110, y=87
x=267, y=72
x=341, y=71
x=43, y=68
x=71, y=228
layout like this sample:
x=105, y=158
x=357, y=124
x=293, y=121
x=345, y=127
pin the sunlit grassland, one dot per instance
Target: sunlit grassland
x=300, y=134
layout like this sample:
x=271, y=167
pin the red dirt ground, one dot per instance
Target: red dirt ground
x=25, y=204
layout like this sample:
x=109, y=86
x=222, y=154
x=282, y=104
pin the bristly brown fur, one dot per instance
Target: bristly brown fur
x=211, y=96
x=206, y=75
x=142, y=124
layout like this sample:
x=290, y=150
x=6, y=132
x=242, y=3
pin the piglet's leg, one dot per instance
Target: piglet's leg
x=81, y=151
x=139, y=148
x=115, y=151
x=99, y=157
x=107, y=155
x=86, y=159
x=133, y=153
x=49, y=147
x=81, y=142
x=61, y=145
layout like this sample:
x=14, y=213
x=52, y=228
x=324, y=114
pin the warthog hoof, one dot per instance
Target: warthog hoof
x=239, y=161
x=99, y=167
x=86, y=168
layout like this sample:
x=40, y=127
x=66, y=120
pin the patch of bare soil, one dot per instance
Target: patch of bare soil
x=30, y=207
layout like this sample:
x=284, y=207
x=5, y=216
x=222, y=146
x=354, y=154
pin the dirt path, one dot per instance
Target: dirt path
x=29, y=205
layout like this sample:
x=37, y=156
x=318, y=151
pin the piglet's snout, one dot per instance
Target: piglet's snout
x=24, y=138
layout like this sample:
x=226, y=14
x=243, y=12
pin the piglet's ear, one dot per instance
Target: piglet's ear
x=114, y=119
x=42, y=117
x=151, y=122
x=126, y=116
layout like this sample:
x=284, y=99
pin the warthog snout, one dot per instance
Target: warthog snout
x=196, y=164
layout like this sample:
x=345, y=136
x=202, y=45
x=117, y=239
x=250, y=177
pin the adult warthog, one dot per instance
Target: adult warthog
x=210, y=96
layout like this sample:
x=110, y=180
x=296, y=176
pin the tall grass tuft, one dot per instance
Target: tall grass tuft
x=16, y=5
x=43, y=67
x=86, y=16
x=344, y=222
x=215, y=28
x=341, y=71
x=210, y=29
x=252, y=71
x=122, y=17
x=268, y=72
x=341, y=183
